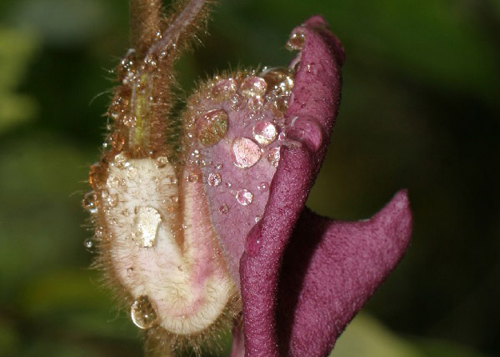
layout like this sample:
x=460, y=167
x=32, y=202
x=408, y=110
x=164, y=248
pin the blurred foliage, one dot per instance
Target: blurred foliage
x=420, y=110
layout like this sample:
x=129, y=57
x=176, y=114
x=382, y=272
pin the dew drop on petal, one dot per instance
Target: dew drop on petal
x=244, y=197
x=212, y=127
x=192, y=178
x=214, y=179
x=296, y=41
x=88, y=202
x=263, y=186
x=143, y=313
x=121, y=161
x=253, y=87
x=223, y=209
x=273, y=156
x=245, y=153
x=130, y=272
x=224, y=88
x=146, y=222
x=264, y=132
x=279, y=79
x=161, y=161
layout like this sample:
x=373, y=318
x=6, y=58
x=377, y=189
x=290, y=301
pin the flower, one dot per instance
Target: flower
x=201, y=220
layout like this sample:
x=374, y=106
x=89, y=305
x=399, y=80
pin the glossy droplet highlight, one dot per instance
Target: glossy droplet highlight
x=223, y=209
x=246, y=153
x=121, y=161
x=263, y=186
x=161, y=161
x=214, y=179
x=224, y=88
x=244, y=197
x=279, y=80
x=146, y=222
x=89, y=244
x=192, y=178
x=264, y=132
x=253, y=87
x=296, y=41
x=88, y=202
x=212, y=127
x=273, y=156
x=143, y=313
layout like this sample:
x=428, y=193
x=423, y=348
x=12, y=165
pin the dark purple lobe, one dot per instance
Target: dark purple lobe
x=302, y=282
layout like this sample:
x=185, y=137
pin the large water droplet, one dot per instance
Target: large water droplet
x=143, y=313
x=146, y=222
x=244, y=197
x=279, y=80
x=214, y=179
x=212, y=127
x=253, y=87
x=264, y=132
x=246, y=153
x=224, y=88
x=273, y=156
x=296, y=41
x=121, y=161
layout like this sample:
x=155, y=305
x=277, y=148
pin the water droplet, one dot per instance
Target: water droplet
x=263, y=186
x=214, y=179
x=223, y=209
x=89, y=244
x=130, y=272
x=96, y=176
x=88, y=202
x=273, y=156
x=121, y=161
x=282, y=136
x=143, y=313
x=296, y=41
x=192, y=178
x=212, y=127
x=246, y=153
x=279, y=80
x=257, y=218
x=161, y=161
x=146, y=223
x=172, y=180
x=253, y=87
x=219, y=166
x=224, y=88
x=264, y=132
x=228, y=184
x=244, y=197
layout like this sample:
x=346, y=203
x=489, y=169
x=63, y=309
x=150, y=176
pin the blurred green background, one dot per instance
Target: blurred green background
x=420, y=110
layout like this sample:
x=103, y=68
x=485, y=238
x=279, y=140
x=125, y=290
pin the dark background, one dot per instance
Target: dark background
x=420, y=110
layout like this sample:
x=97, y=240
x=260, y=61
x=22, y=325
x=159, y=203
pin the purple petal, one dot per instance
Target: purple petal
x=310, y=117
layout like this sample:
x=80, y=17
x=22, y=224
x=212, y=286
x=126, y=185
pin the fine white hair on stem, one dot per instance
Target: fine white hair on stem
x=187, y=18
